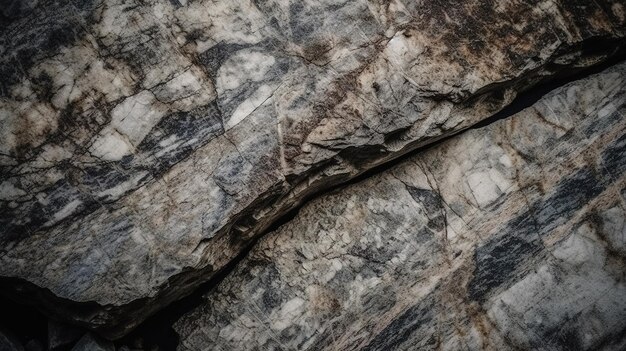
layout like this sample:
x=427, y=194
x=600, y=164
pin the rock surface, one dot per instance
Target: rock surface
x=61, y=335
x=8, y=342
x=143, y=144
x=511, y=236
x=91, y=342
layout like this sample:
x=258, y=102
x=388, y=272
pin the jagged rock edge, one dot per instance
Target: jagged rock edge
x=205, y=278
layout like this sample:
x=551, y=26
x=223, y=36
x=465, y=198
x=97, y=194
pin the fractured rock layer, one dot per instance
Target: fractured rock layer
x=511, y=236
x=143, y=144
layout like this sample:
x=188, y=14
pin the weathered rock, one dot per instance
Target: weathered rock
x=511, y=236
x=90, y=342
x=61, y=334
x=143, y=144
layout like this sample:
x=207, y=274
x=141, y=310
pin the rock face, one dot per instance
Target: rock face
x=93, y=343
x=61, y=335
x=144, y=144
x=9, y=343
x=511, y=236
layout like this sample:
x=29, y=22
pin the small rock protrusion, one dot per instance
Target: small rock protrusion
x=90, y=342
x=61, y=334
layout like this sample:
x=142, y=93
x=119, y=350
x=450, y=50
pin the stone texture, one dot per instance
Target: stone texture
x=143, y=144
x=8, y=342
x=507, y=237
x=61, y=334
x=90, y=342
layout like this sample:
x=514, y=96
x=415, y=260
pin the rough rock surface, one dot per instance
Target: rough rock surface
x=511, y=236
x=61, y=335
x=8, y=342
x=143, y=144
x=91, y=342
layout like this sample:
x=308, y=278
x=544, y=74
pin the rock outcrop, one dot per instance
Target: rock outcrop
x=511, y=236
x=145, y=144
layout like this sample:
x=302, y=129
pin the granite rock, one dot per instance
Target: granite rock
x=144, y=144
x=506, y=237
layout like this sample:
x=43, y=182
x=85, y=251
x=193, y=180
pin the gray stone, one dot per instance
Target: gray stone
x=144, y=144
x=8, y=342
x=506, y=237
x=61, y=334
x=90, y=342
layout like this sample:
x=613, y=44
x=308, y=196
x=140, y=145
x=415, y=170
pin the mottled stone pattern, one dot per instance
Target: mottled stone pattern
x=144, y=143
x=511, y=236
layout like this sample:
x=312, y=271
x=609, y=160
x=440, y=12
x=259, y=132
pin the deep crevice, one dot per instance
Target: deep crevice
x=157, y=330
x=28, y=323
x=161, y=323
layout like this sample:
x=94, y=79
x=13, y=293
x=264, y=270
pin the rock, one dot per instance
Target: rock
x=126, y=348
x=145, y=144
x=8, y=342
x=90, y=342
x=61, y=334
x=34, y=345
x=510, y=236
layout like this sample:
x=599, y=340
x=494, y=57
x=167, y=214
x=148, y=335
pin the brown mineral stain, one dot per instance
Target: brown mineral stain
x=324, y=300
x=618, y=11
x=31, y=126
x=317, y=52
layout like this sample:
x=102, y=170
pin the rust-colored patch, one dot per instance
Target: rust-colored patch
x=323, y=300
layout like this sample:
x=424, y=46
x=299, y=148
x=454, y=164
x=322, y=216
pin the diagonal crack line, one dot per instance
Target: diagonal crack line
x=163, y=319
x=172, y=313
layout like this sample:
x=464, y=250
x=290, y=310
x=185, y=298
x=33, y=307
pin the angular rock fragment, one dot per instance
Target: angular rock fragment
x=510, y=236
x=90, y=342
x=143, y=144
